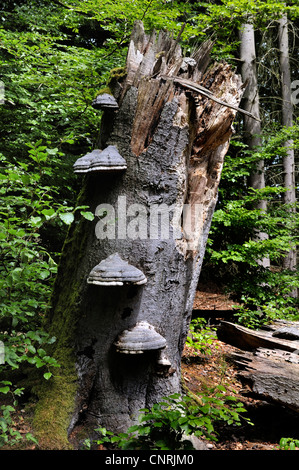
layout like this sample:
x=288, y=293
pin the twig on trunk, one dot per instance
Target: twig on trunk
x=205, y=92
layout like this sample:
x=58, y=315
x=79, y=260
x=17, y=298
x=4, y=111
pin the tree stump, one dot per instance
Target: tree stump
x=124, y=292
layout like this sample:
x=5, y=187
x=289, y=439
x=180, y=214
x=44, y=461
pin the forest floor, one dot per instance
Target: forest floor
x=269, y=422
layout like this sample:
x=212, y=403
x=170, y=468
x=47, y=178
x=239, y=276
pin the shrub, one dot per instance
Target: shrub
x=167, y=424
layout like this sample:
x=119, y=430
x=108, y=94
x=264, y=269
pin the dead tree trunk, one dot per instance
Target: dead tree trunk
x=120, y=331
x=252, y=128
x=290, y=260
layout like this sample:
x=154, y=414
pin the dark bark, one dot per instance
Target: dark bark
x=174, y=149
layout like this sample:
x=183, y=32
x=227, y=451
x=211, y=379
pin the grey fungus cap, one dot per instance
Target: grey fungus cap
x=142, y=337
x=114, y=271
x=105, y=101
x=83, y=163
x=108, y=159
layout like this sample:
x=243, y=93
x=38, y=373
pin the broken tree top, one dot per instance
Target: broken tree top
x=114, y=271
x=160, y=57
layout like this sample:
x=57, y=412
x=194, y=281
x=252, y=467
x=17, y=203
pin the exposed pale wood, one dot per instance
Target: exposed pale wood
x=249, y=340
x=205, y=92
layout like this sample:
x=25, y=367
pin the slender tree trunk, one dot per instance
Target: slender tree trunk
x=156, y=215
x=252, y=128
x=287, y=121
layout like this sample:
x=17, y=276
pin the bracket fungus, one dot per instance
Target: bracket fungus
x=105, y=101
x=82, y=165
x=163, y=360
x=109, y=159
x=101, y=160
x=114, y=271
x=142, y=337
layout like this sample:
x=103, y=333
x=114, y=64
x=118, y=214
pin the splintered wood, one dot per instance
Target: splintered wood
x=157, y=67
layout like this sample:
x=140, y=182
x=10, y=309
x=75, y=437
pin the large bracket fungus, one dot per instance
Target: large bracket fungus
x=142, y=337
x=114, y=271
x=108, y=159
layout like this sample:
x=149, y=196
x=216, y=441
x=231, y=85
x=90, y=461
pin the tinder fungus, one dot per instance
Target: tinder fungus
x=114, y=271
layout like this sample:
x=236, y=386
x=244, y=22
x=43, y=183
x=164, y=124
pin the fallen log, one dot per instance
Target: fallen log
x=268, y=362
x=272, y=375
x=249, y=340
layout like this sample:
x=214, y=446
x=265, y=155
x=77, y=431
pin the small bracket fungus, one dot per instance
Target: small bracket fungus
x=142, y=337
x=82, y=165
x=108, y=160
x=164, y=364
x=105, y=101
x=114, y=271
x=163, y=360
x=101, y=160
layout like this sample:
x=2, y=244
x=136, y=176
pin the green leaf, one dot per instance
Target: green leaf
x=36, y=221
x=47, y=375
x=48, y=213
x=44, y=274
x=87, y=215
x=67, y=217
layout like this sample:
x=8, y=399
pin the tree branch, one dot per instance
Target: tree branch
x=205, y=92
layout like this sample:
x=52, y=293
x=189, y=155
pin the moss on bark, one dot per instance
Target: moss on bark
x=55, y=407
x=56, y=397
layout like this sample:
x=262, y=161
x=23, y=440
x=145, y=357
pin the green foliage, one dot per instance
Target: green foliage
x=8, y=433
x=200, y=336
x=28, y=208
x=168, y=423
x=236, y=251
x=288, y=443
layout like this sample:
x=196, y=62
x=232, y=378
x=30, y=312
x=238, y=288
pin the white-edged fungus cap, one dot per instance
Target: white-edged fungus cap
x=142, y=337
x=114, y=271
x=108, y=159
x=82, y=165
x=105, y=101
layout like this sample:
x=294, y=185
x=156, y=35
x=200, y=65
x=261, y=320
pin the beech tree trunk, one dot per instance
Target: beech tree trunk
x=287, y=121
x=173, y=141
x=252, y=128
